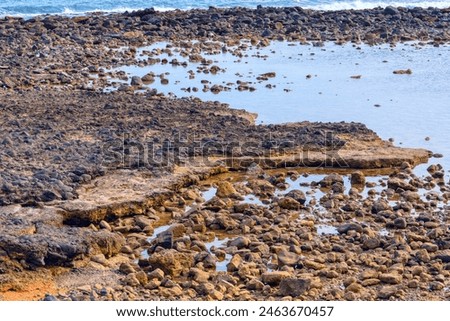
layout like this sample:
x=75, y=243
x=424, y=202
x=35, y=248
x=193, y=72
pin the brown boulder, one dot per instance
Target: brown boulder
x=171, y=262
x=226, y=190
x=358, y=178
x=294, y=287
x=274, y=278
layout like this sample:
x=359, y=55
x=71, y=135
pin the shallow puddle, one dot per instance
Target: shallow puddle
x=221, y=266
x=209, y=193
x=326, y=230
x=308, y=183
x=252, y=199
x=156, y=232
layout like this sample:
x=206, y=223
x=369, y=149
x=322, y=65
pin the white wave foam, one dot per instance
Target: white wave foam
x=116, y=10
x=71, y=12
x=359, y=5
x=168, y=8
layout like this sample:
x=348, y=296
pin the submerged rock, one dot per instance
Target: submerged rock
x=331, y=179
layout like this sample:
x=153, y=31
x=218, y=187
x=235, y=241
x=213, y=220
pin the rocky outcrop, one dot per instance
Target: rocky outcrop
x=76, y=137
x=37, y=237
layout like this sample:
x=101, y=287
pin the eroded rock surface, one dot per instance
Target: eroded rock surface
x=87, y=177
x=37, y=237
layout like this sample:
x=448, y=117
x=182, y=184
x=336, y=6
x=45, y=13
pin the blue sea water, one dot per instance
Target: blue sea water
x=29, y=8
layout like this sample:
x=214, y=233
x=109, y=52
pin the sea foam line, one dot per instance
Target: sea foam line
x=331, y=6
x=71, y=12
x=359, y=5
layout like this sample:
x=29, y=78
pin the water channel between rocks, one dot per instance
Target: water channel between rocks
x=325, y=226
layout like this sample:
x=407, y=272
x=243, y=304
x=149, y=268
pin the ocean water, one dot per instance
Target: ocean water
x=29, y=8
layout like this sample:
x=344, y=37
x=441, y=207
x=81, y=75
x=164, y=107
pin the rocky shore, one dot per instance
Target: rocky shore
x=88, y=177
x=132, y=195
x=256, y=235
x=63, y=51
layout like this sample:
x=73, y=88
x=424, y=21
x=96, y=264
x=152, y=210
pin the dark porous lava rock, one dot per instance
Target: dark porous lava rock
x=69, y=138
x=37, y=237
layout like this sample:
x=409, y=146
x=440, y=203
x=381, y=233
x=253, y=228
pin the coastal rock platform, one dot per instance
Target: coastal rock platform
x=133, y=195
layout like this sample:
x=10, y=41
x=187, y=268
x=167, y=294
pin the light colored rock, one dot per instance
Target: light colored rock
x=234, y=263
x=240, y=242
x=354, y=287
x=126, y=268
x=288, y=203
x=153, y=284
x=331, y=179
x=287, y=258
x=370, y=282
x=423, y=256
x=156, y=274
x=132, y=280
x=387, y=292
x=225, y=189
x=255, y=284
x=391, y=278
x=142, y=277
x=198, y=275
x=371, y=243
x=172, y=262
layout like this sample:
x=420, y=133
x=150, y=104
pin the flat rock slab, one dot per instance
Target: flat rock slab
x=54, y=142
x=75, y=158
x=127, y=192
x=37, y=237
